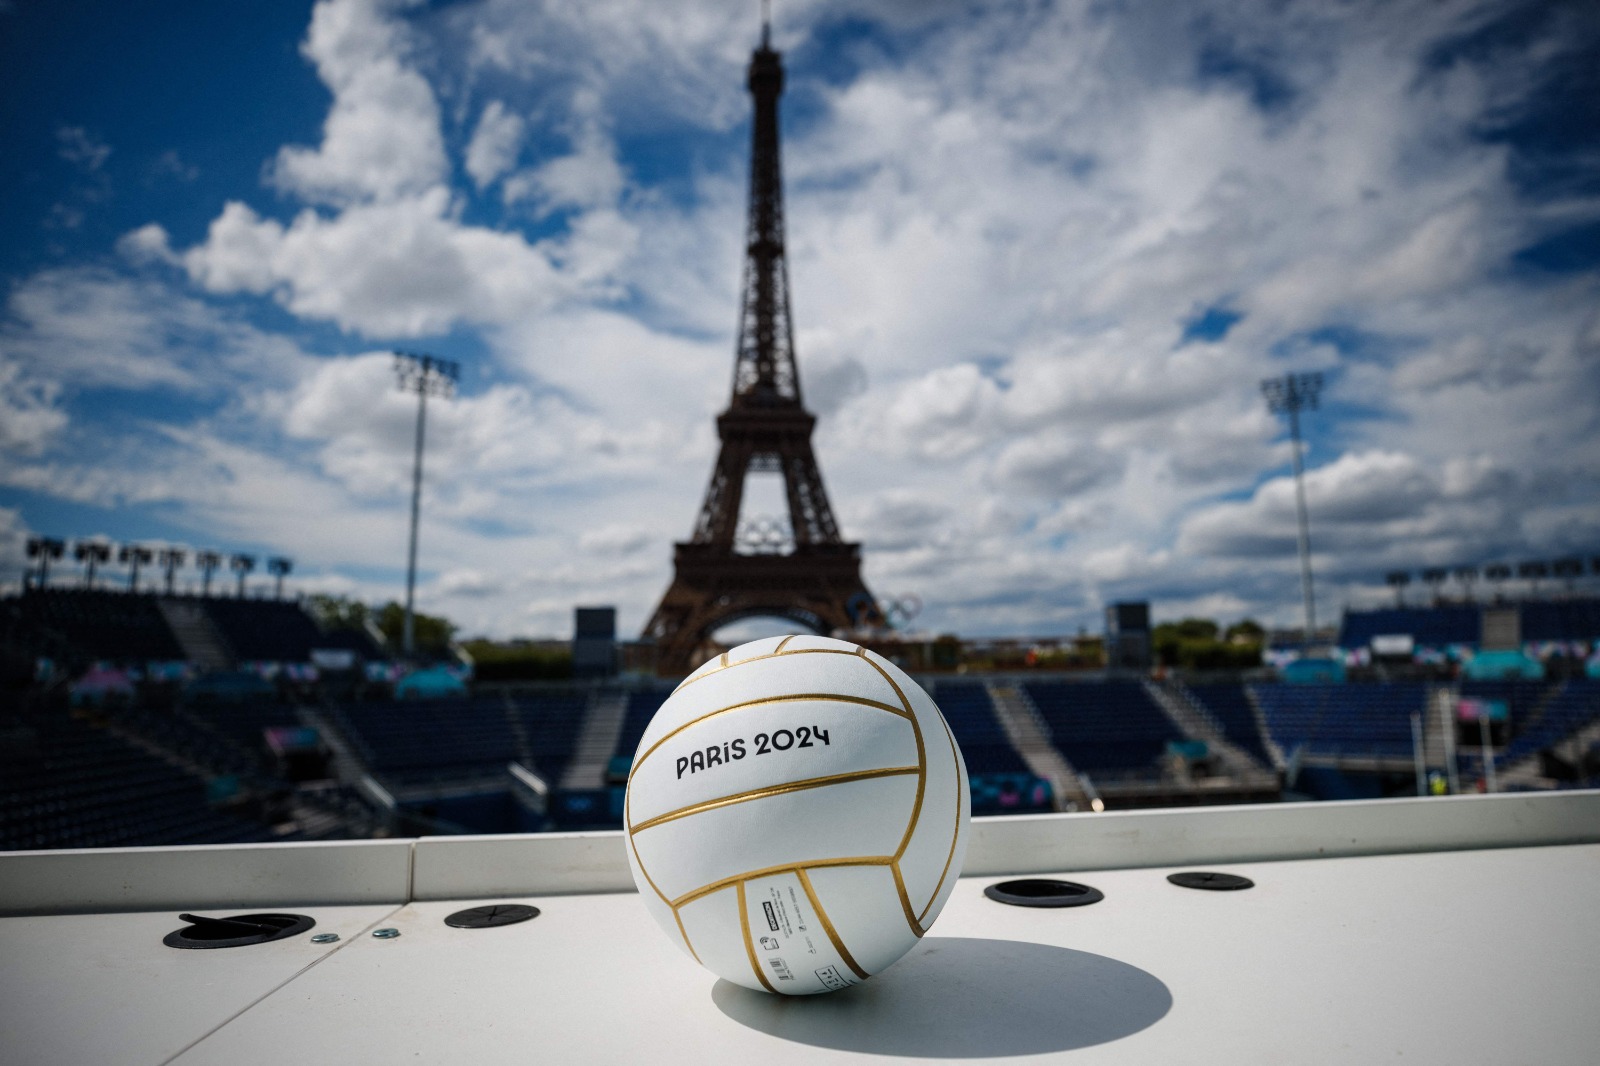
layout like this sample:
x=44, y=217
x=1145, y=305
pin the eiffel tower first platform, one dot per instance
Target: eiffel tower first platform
x=719, y=577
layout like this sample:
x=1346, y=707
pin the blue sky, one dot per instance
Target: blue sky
x=1041, y=256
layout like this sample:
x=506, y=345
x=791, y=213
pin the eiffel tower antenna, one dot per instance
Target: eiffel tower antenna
x=766, y=23
x=720, y=577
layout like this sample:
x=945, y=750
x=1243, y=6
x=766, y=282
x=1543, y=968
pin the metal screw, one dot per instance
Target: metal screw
x=386, y=934
x=325, y=938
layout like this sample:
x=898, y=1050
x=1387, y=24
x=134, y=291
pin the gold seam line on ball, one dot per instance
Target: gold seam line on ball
x=827, y=927
x=685, y=934
x=779, y=649
x=749, y=946
x=956, y=836
x=627, y=825
x=819, y=697
x=773, y=790
x=757, y=658
x=646, y=873
x=724, y=661
x=922, y=761
x=905, y=900
x=767, y=871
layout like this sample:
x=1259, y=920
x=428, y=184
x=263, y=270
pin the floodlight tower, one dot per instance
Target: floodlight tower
x=1291, y=394
x=425, y=375
x=242, y=565
x=207, y=561
x=171, y=559
x=135, y=555
x=279, y=567
x=91, y=553
x=1398, y=580
x=44, y=549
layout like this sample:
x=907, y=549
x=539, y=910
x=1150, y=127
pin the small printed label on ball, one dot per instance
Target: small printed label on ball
x=786, y=934
x=727, y=752
x=831, y=978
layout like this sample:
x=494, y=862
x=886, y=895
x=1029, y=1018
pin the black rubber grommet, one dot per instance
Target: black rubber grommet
x=491, y=915
x=1043, y=892
x=1211, y=882
x=234, y=930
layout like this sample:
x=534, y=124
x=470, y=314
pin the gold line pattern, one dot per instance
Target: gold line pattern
x=773, y=790
x=916, y=806
x=820, y=697
x=956, y=835
x=685, y=934
x=642, y=865
x=922, y=759
x=750, y=948
x=766, y=871
x=779, y=649
x=827, y=927
x=905, y=900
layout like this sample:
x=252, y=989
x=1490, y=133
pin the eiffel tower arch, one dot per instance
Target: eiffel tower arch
x=719, y=575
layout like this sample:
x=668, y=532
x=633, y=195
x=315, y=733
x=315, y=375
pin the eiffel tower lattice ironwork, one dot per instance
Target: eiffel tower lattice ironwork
x=720, y=576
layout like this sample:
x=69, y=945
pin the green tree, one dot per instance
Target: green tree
x=1194, y=644
x=432, y=633
x=338, y=612
x=1247, y=631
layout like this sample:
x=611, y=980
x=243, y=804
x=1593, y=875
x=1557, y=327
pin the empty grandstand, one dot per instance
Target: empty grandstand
x=148, y=718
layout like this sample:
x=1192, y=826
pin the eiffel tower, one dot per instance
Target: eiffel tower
x=719, y=575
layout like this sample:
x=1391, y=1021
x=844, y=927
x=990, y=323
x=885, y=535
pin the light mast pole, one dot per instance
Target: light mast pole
x=1291, y=394
x=424, y=375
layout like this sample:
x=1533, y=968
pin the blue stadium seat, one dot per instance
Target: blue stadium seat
x=1229, y=704
x=984, y=744
x=1106, y=727
x=1372, y=720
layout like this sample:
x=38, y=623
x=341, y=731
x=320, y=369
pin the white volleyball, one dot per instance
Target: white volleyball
x=796, y=814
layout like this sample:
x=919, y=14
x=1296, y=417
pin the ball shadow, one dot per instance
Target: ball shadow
x=965, y=997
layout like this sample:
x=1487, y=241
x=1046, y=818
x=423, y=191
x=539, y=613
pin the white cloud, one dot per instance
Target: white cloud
x=588, y=177
x=402, y=268
x=998, y=228
x=81, y=148
x=30, y=415
x=495, y=144
x=381, y=139
x=92, y=328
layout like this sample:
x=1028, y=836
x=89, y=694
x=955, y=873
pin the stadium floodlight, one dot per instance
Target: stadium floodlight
x=425, y=375
x=1398, y=580
x=91, y=553
x=279, y=567
x=208, y=562
x=1570, y=568
x=134, y=556
x=1433, y=577
x=1290, y=395
x=44, y=549
x=171, y=559
x=242, y=565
